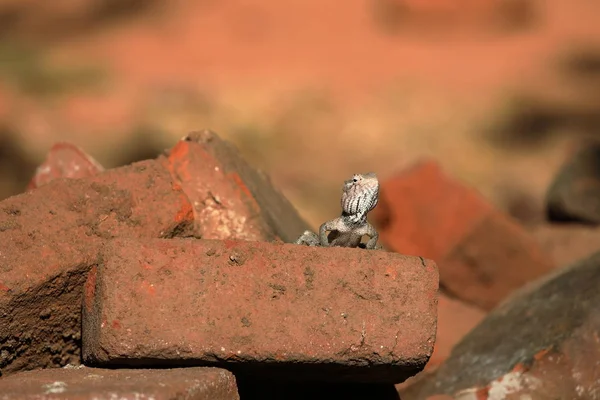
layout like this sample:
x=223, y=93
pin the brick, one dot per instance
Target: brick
x=82, y=383
x=483, y=255
x=64, y=160
x=261, y=308
x=232, y=200
x=574, y=195
x=542, y=342
x=50, y=238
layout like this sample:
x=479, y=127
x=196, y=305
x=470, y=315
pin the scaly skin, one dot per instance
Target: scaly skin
x=360, y=195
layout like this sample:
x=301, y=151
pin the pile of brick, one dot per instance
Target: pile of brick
x=517, y=315
x=174, y=278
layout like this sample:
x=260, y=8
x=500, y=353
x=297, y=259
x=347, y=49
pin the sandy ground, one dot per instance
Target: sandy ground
x=313, y=91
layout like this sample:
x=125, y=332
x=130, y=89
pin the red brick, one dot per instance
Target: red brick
x=483, y=255
x=81, y=383
x=49, y=239
x=231, y=199
x=65, y=160
x=266, y=308
x=540, y=343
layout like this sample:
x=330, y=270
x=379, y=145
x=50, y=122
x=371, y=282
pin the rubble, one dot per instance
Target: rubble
x=483, y=255
x=185, y=261
x=231, y=199
x=124, y=384
x=541, y=342
x=50, y=238
x=261, y=308
x=65, y=160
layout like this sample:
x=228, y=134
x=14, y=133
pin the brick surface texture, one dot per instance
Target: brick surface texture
x=82, y=383
x=483, y=255
x=281, y=309
x=231, y=199
x=49, y=239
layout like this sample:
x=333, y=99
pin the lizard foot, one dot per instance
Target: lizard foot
x=308, y=238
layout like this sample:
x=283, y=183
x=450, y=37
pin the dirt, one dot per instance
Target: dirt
x=290, y=82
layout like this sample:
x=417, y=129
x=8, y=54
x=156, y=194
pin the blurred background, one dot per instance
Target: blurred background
x=310, y=91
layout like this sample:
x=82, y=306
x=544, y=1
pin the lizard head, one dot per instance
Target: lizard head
x=360, y=194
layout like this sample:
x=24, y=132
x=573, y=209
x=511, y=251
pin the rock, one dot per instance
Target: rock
x=543, y=342
x=64, y=160
x=574, y=196
x=81, y=383
x=231, y=199
x=50, y=238
x=483, y=255
x=268, y=309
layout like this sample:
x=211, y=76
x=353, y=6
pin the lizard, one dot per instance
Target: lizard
x=360, y=195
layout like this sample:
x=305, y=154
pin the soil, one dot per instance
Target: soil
x=310, y=91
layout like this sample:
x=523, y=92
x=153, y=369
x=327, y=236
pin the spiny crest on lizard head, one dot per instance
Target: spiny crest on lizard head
x=360, y=194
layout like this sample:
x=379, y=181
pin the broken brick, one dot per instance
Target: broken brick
x=542, y=342
x=261, y=308
x=65, y=160
x=483, y=255
x=81, y=383
x=49, y=239
x=231, y=199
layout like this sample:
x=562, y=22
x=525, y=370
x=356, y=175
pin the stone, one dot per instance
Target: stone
x=82, y=383
x=482, y=254
x=542, y=342
x=264, y=309
x=574, y=195
x=65, y=160
x=50, y=238
x=231, y=199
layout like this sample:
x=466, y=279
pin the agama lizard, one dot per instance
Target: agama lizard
x=360, y=195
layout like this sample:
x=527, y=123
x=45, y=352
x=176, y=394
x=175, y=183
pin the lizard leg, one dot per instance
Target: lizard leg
x=308, y=238
x=373, y=236
x=328, y=226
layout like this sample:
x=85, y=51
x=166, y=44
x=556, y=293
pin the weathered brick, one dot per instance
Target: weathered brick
x=232, y=200
x=262, y=308
x=82, y=383
x=64, y=160
x=541, y=343
x=483, y=255
x=50, y=237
